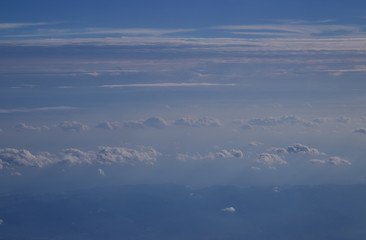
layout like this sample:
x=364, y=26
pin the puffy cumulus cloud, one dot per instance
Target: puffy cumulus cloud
x=343, y=119
x=229, y=209
x=303, y=149
x=338, y=161
x=269, y=159
x=200, y=122
x=23, y=126
x=73, y=126
x=155, y=122
x=360, y=130
x=278, y=150
x=273, y=121
x=108, y=125
x=11, y=157
x=233, y=153
x=109, y=155
x=334, y=160
x=75, y=156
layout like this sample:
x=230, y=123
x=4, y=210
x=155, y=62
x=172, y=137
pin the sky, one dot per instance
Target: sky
x=198, y=93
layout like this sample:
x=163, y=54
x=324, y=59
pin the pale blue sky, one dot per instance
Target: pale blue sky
x=210, y=88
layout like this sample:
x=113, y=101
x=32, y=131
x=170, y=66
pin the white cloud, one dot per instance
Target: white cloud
x=276, y=189
x=109, y=125
x=20, y=25
x=229, y=209
x=10, y=157
x=338, y=161
x=200, y=122
x=334, y=160
x=187, y=84
x=1, y=130
x=227, y=154
x=101, y=172
x=74, y=156
x=40, y=109
x=1, y=221
x=254, y=144
x=273, y=121
x=278, y=150
x=195, y=156
x=360, y=130
x=303, y=149
x=73, y=126
x=156, y=122
x=108, y=155
x=269, y=159
x=233, y=153
x=23, y=126
x=321, y=161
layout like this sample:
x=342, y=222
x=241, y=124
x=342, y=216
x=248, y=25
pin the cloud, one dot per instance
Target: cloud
x=134, y=124
x=222, y=154
x=20, y=25
x=303, y=149
x=334, y=160
x=273, y=121
x=269, y=159
x=101, y=172
x=229, y=209
x=109, y=125
x=10, y=157
x=109, y=155
x=278, y=150
x=254, y=144
x=40, y=109
x=321, y=161
x=255, y=168
x=276, y=189
x=1, y=221
x=187, y=84
x=360, y=130
x=338, y=161
x=155, y=122
x=201, y=122
x=343, y=119
x=74, y=156
x=73, y=126
x=23, y=126
x=233, y=153
x=1, y=130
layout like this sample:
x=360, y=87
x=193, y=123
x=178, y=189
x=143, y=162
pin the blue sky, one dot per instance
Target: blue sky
x=198, y=93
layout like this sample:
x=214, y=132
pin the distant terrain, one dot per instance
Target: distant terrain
x=178, y=212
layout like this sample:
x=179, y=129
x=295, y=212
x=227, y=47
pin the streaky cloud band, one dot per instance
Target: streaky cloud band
x=39, y=109
x=168, y=85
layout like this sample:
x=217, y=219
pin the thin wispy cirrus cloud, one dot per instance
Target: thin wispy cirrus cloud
x=187, y=84
x=21, y=25
x=38, y=109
